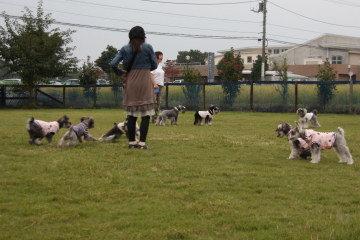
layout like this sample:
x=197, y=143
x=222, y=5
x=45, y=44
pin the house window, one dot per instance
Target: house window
x=283, y=50
x=336, y=60
x=269, y=51
x=276, y=51
x=249, y=59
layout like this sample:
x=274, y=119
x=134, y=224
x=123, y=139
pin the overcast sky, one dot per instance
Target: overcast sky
x=288, y=21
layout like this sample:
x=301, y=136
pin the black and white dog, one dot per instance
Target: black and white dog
x=306, y=117
x=170, y=114
x=75, y=133
x=117, y=131
x=323, y=140
x=299, y=148
x=39, y=129
x=206, y=115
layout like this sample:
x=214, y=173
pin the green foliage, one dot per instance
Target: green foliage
x=282, y=89
x=32, y=51
x=191, y=92
x=326, y=92
x=195, y=56
x=220, y=182
x=230, y=70
x=256, y=69
x=105, y=58
x=88, y=73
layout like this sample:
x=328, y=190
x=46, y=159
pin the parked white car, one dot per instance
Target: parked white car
x=178, y=81
x=10, y=81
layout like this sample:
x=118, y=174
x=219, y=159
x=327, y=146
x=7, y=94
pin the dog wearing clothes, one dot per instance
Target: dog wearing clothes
x=207, y=116
x=39, y=129
x=299, y=148
x=117, y=131
x=306, y=117
x=75, y=133
x=170, y=114
x=319, y=141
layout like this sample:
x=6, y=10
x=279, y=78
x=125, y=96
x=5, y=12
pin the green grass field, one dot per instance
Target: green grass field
x=227, y=181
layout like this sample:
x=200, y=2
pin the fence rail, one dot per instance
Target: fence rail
x=266, y=96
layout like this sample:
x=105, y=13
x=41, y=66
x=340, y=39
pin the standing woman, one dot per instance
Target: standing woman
x=159, y=79
x=139, y=101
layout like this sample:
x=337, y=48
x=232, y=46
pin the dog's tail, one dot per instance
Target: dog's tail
x=315, y=112
x=341, y=131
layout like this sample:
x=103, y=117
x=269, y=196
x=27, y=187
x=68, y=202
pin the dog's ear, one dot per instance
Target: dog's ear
x=115, y=124
x=82, y=119
x=66, y=118
x=91, y=122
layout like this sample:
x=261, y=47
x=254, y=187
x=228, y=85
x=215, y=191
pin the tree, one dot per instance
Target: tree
x=256, y=69
x=282, y=89
x=195, y=56
x=170, y=69
x=32, y=51
x=326, y=91
x=191, y=92
x=105, y=58
x=88, y=74
x=230, y=70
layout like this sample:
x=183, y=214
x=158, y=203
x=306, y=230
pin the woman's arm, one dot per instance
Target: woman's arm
x=115, y=64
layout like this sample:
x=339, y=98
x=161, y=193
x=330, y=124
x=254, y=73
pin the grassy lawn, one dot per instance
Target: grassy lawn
x=227, y=181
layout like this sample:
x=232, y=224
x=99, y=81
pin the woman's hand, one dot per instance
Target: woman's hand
x=156, y=86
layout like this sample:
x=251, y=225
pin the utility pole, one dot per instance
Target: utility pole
x=263, y=42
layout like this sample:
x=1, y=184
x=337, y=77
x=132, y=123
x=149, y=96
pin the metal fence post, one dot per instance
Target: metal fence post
x=296, y=96
x=3, y=96
x=203, y=96
x=94, y=96
x=167, y=95
x=64, y=97
x=351, y=97
x=251, y=94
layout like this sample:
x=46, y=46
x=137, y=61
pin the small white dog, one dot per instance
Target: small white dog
x=75, y=133
x=319, y=141
x=305, y=117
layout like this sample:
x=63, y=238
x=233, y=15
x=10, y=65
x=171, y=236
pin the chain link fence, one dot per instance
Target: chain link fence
x=267, y=96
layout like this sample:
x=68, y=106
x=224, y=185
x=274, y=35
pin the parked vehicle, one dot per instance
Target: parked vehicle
x=72, y=82
x=10, y=81
x=101, y=82
x=178, y=81
x=51, y=82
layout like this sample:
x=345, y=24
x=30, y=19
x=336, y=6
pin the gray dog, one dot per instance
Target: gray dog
x=171, y=114
x=39, y=129
x=75, y=133
x=323, y=140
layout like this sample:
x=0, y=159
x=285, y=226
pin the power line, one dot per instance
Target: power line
x=157, y=12
x=153, y=1
x=333, y=24
x=174, y=34
x=172, y=26
x=344, y=3
x=147, y=32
